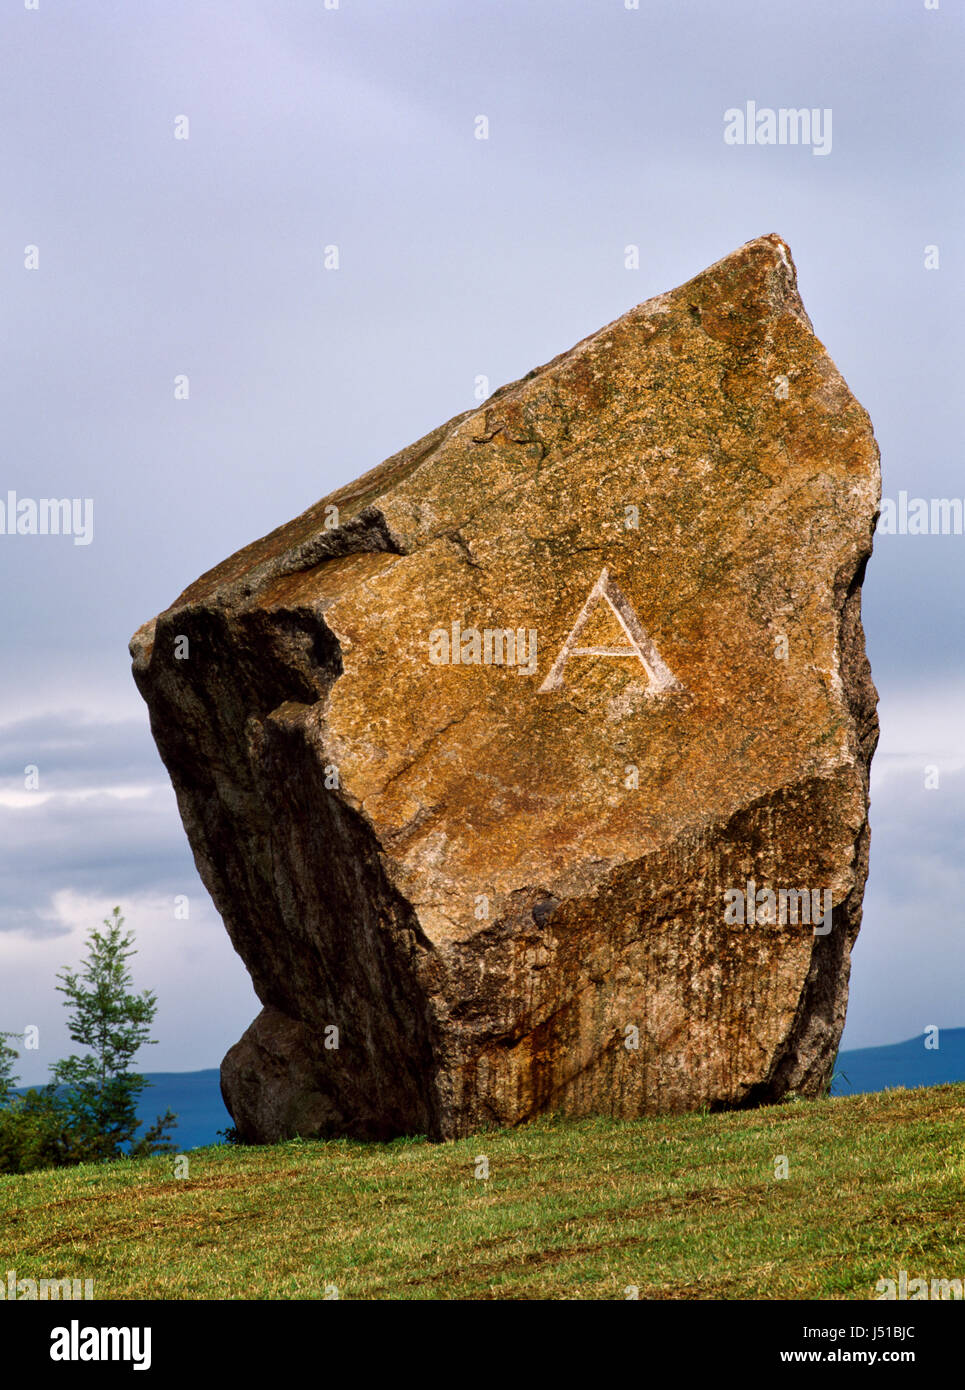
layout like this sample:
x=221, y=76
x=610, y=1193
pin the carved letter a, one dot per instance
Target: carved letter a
x=660, y=679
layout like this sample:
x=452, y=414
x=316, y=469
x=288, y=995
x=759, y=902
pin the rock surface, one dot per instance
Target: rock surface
x=508, y=881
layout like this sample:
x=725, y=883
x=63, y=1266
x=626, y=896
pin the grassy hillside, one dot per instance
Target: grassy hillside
x=685, y=1207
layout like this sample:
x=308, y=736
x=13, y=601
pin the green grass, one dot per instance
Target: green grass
x=681, y=1207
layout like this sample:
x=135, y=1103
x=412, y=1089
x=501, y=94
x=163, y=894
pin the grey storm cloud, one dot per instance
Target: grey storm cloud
x=909, y=960
x=78, y=831
x=919, y=839
x=74, y=749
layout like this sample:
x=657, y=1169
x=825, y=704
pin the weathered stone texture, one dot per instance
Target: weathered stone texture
x=716, y=413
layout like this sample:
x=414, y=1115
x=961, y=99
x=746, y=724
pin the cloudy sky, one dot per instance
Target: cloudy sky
x=158, y=258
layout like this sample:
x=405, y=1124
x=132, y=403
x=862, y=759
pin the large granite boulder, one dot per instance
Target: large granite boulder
x=501, y=763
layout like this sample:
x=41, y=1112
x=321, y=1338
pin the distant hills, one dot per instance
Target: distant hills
x=906, y=1064
x=196, y=1095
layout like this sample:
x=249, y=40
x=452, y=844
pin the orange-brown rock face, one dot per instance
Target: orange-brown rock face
x=502, y=760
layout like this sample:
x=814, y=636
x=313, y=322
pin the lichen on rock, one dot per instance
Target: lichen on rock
x=476, y=755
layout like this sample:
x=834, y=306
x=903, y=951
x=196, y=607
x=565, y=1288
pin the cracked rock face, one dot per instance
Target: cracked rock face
x=500, y=762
